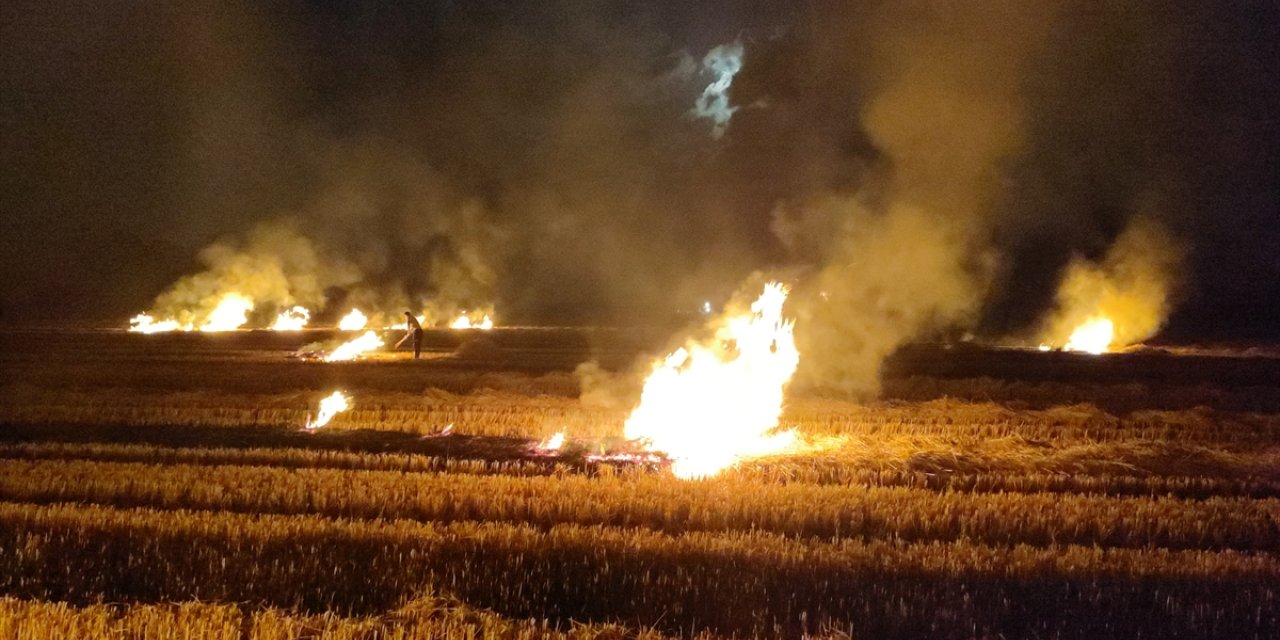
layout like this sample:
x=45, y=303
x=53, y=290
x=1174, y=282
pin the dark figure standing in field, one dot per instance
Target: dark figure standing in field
x=414, y=329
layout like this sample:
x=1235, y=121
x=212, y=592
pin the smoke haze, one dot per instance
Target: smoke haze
x=933, y=168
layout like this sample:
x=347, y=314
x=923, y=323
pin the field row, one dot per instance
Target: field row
x=509, y=414
x=1262, y=395
x=1106, y=470
x=660, y=502
x=424, y=618
x=283, y=457
x=762, y=583
x=236, y=366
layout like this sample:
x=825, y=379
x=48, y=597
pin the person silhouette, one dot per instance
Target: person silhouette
x=414, y=329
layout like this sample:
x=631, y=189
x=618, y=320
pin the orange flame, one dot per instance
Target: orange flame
x=230, y=314
x=330, y=406
x=711, y=404
x=353, y=321
x=554, y=443
x=463, y=321
x=293, y=319
x=352, y=349
x=144, y=323
x=1092, y=336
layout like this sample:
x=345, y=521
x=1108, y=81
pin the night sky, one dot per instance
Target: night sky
x=545, y=155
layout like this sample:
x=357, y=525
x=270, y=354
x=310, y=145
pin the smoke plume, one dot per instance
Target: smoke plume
x=932, y=167
x=1132, y=287
x=908, y=256
x=274, y=269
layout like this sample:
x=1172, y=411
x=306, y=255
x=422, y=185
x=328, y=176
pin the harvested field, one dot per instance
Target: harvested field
x=163, y=481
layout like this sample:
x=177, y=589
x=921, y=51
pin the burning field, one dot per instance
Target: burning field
x=640, y=320
x=220, y=482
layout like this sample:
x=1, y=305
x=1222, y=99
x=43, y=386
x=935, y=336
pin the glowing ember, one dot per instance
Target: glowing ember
x=291, y=319
x=627, y=458
x=1093, y=336
x=354, y=348
x=230, y=314
x=353, y=321
x=143, y=323
x=331, y=406
x=710, y=405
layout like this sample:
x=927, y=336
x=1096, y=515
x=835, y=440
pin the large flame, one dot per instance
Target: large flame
x=352, y=349
x=330, y=406
x=1093, y=336
x=710, y=404
x=293, y=319
x=353, y=321
x=230, y=314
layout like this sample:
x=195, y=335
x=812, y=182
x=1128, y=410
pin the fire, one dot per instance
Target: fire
x=230, y=314
x=1093, y=336
x=352, y=349
x=463, y=321
x=353, y=321
x=1119, y=301
x=553, y=443
x=293, y=319
x=330, y=406
x=711, y=404
x=144, y=323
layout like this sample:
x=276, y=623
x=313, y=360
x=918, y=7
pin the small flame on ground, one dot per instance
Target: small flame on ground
x=144, y=323
x=1092, y=336
x=1120, y=300
x=448, y=429
x=330, y=406
x=352, y=349
x=464, y=321
x=553, y=443
x=354, y=321
x=293, y=319
x=709, y=405
x=230, y=314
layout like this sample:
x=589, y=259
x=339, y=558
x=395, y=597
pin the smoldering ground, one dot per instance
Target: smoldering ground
x=932, y=167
